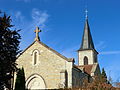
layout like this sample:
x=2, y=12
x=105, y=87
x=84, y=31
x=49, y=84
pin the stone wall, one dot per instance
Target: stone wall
x=48, y=66
x=78, y=77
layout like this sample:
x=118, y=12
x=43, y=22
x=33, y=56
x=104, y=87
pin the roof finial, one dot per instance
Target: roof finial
x=86, y=14
x=37, y=34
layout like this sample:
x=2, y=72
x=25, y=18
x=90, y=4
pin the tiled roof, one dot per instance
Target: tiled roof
x=86, y=68
x=75, y=66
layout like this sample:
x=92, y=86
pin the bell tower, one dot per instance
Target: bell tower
x=87, y=54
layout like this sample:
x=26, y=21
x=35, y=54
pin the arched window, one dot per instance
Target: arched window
x=35, y=58
x=85, y=60
x=35, y=82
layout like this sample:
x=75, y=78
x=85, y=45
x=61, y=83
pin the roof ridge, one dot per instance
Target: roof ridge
x=57, y=53
x=68, y=59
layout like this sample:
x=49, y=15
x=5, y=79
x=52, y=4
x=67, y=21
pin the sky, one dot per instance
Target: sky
x=62, y=23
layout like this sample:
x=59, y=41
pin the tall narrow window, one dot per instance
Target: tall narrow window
x=85, y=60
x=95, y=58
x=35, y=58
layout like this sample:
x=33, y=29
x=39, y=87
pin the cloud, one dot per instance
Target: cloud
x=110, y=52
x=18, y=17
x=27, y=24
x=100, y=45
x=39, y=17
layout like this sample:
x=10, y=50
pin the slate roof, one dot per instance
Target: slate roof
x=87, y=42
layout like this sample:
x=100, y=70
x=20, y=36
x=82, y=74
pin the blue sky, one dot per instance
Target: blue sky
x=62, y=23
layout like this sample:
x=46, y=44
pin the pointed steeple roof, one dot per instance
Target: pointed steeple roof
x=87, y=42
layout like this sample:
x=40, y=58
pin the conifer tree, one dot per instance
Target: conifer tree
x=104, y=76
x=20, y=80
x=9, y=49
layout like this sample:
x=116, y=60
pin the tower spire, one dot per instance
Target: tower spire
x=87, y=42
x=37, y=34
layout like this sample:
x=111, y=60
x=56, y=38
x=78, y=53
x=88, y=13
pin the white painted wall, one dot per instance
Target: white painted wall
x=90, y=54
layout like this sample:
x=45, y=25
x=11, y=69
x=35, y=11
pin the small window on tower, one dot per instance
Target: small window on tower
x=95, y=59
x=85, y=60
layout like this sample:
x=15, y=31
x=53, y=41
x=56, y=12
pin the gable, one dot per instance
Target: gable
x=49, y=63
x=48, y=48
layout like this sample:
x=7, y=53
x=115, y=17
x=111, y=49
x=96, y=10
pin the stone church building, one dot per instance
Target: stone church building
x=45, y=68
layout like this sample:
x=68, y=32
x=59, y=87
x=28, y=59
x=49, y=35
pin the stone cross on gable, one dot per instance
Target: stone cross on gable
x=37, y=34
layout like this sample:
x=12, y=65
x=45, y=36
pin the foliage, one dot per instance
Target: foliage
x=99, y=82
x=9, y=49
x=117, y=84
x=104, y=76
x=96, y=84
x=20, y=80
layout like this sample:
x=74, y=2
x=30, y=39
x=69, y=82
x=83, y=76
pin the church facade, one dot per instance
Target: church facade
x=45, y=68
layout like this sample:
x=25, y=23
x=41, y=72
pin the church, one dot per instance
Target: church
x=45, y=68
